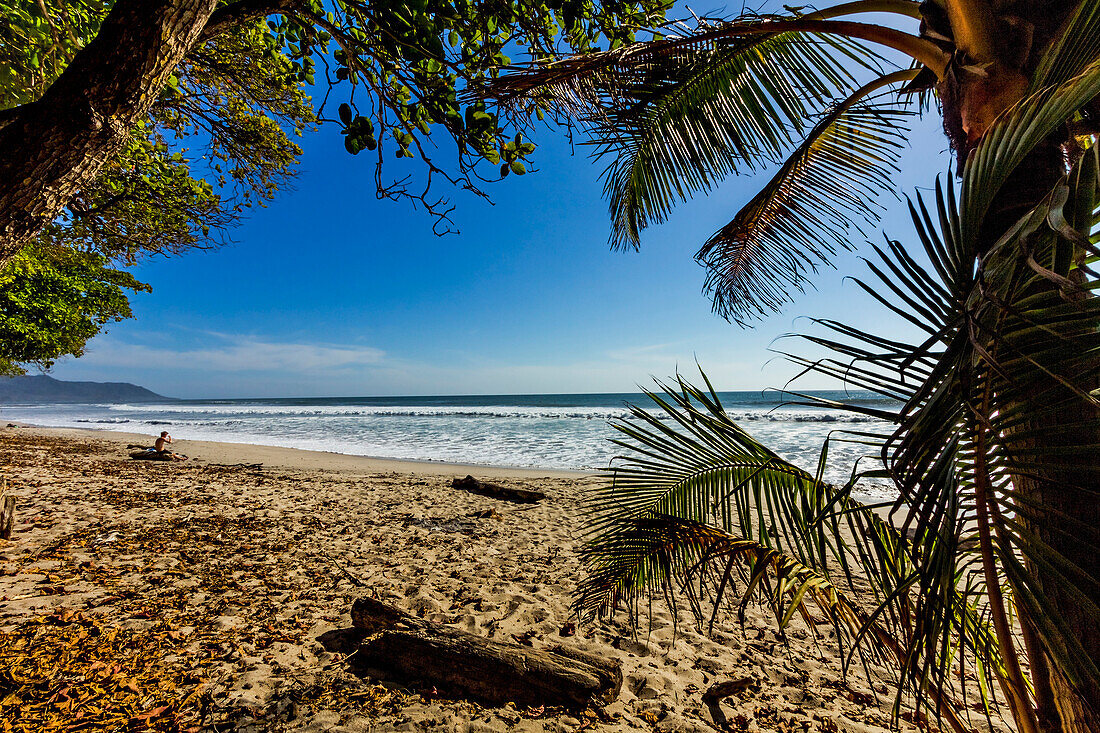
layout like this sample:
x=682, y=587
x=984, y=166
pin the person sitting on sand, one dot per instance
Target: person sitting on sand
x=161, y=446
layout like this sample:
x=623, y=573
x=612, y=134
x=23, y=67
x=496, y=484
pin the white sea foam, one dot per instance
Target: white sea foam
x=558, y=433
x=779, y=414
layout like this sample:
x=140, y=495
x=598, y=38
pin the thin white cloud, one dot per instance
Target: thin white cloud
x=249, y=365
x=238, y=354
x=651, y=352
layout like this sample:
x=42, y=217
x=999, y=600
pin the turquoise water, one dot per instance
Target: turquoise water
x=543, y=431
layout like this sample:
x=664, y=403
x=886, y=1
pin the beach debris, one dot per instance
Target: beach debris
x=345, y=571
x=457, y=525
x=496, y=491
x=67, y=670
x=154, y=455
x=7, y=512
x=720, y=691
x=470, y=665
x=106, y=539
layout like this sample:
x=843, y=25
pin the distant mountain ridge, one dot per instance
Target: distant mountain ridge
x=44, y=388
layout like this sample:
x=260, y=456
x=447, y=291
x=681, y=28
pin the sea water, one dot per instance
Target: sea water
x=554, y=431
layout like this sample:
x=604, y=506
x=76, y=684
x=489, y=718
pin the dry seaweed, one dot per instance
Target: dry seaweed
x=69, y=672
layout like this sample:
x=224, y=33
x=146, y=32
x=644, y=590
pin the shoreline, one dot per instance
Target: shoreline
x=227, y=452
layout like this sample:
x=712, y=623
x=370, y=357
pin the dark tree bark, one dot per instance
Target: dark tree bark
x=1058, y=492
x=1062, y=508
x=496, y=491
x=51, y=148
x=7, y=513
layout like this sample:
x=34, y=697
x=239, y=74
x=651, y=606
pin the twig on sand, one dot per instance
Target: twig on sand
x=345, y=571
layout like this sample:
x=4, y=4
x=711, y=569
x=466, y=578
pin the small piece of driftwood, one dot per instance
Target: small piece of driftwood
x=473, y=666
x=521, y=496
x=7, y=514
x=718, y=692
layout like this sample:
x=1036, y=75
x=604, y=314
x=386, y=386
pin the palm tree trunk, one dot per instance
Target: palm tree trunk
x=1061, y=504
x=1064, y=505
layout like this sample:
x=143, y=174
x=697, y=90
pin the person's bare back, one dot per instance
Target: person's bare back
x=161, y=445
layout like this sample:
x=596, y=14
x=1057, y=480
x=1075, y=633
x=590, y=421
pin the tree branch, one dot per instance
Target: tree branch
x=242, y=11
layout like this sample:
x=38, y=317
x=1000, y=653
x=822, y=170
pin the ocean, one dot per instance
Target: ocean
x=556, y=431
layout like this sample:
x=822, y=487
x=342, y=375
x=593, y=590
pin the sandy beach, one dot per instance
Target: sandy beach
x=197, y=595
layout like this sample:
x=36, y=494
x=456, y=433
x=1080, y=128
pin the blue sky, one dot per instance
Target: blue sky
x=330, y=292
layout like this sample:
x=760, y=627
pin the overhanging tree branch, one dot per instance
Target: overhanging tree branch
x=54, y=146
x=242, y=11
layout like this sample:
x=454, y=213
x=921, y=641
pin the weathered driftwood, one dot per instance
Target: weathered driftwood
x=718, y=692
x=7, y=514
x=490, y=671
x=150, y=455
x=522, y=496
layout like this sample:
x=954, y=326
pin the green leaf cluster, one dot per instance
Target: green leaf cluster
x=411, y=63
x=219, y=138
x=218, y=141
x=53, y=300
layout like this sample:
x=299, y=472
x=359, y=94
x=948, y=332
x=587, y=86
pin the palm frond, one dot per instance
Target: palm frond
x=998, y=436
x=675, y=116
x=695, y=505
x=803, y=215
x=730, y=108
x=1073, y=50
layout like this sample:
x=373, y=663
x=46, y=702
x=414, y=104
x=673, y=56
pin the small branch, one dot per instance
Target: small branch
x=345, y=571
x=53, y=28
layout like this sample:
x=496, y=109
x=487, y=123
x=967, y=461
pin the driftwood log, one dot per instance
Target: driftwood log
x=471, y=665
x=7, y=514
x=150, y=455
x=520, y=496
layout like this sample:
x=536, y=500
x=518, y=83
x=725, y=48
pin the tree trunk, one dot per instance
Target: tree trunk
x=1063, y=506
x=1059, y=488
x=51, y=148
x=1066, y=518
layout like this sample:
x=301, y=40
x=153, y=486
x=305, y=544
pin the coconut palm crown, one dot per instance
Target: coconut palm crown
x=994, y=446
x=675, y=115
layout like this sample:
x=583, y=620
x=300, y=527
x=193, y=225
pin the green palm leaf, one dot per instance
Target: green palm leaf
x=1073, y=50
x=803, y=215
x=697, y=507
x=998, y=436
x=1011, y=137
x=676, y=116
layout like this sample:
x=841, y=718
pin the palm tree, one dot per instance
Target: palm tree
x=997, y=437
